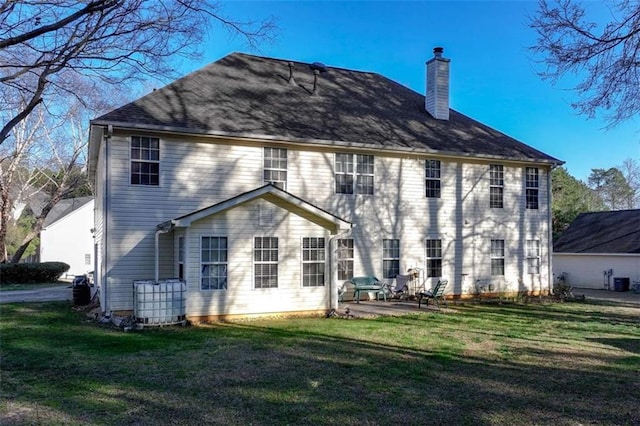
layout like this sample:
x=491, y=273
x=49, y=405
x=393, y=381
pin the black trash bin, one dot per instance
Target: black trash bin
x=621, y=284
x=81, y=290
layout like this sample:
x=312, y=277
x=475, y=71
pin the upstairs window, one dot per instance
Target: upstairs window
x=390, y=258
x=313, y=262
x=496, y=186
x=432, y=176
x=145, y=161
x=532, y=184
x=354, y=174
x=275, y=167
x=533, y=256
x=265, y=262
x=345, y=258
x=434, y=258
x=364, y=174
x=497, y=257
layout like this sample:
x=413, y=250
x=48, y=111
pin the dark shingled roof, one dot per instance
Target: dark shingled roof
x=65, y=207
x=602, y=232
x=249, y=96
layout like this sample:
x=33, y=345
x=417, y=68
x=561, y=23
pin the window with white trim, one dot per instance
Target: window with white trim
x=497, y=257
x=345, y=258
x=265, y=262
x=533, y=256
x=213, y=263
x=358, y=179
x=87, y=258
x=313, y=262
x=390, y=258
x=432, y=178
x=145, y=160
x=275, y=167
x=532, y=184
x=496, y=186
x=434, y=258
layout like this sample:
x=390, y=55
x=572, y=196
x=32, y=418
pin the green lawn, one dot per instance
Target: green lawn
x=559, y=364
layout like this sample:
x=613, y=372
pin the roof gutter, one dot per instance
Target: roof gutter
x=317, y=142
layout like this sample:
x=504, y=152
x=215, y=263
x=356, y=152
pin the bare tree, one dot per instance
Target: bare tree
x=56, y=55
x=604, y=56
x=112, y=41
x=630, y=169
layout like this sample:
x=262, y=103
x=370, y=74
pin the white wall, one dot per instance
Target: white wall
x=70, y=240
x=198, y=172
x=585, y=270
x=240, y=225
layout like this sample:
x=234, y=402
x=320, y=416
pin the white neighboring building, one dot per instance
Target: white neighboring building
x=599, y=247
x=67, y=237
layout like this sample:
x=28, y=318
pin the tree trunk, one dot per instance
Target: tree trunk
x=5, y=216
x=37, y=226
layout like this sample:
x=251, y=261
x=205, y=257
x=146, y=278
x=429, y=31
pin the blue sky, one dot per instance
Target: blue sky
x=493, y=78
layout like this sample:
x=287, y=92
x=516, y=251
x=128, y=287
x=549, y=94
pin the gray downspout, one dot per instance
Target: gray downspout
x=163, y=228
x=550, y=232
x=106, y=217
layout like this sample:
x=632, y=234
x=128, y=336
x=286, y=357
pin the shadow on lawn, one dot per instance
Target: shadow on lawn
x=242, y=373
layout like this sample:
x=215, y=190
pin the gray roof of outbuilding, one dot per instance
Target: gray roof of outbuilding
x=250, y=96
x=602, y=232
x=65, y=207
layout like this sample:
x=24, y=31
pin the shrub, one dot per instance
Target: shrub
x=22, y=273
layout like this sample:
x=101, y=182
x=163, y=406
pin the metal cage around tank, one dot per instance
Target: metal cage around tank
x=158, y=303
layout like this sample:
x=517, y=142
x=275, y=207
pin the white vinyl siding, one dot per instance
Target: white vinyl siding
x=222, y=169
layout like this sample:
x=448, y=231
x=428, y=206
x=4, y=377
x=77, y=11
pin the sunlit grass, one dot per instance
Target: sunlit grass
x=482, y=364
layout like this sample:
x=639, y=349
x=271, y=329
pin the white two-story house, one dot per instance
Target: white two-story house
x=265, y=184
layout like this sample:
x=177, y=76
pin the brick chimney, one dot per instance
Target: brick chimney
x=436, y=101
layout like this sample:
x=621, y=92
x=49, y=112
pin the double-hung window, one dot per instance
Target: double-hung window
x=432, y=178
x=313, y=262
x=345, y=258
x=213, y=263
x=532, y=183
x=354, y=174
x=434, y=258
x=496, y=186
x=265, y=262
x=145, y=161
x=533, y=256
x=497, y=257
x=390, y=258
x=275, y=167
